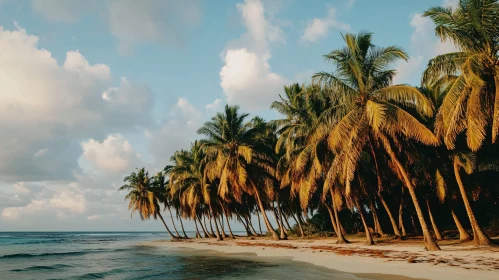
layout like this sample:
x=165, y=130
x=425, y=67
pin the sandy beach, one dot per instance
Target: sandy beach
x=386, y=260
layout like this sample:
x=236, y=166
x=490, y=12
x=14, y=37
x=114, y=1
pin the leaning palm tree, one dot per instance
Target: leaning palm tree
x=467, y=162
x=187, y=179
x=471, y=102
x=142, y=197
x=164, y=195
x=233, y=147
x=302, y=161
x=371, y=111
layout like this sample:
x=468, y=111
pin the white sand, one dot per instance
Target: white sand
x=453, y=262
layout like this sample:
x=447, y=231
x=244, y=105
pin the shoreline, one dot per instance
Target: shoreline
x=383, y=261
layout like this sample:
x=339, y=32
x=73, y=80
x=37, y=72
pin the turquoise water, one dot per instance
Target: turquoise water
x=117, y=255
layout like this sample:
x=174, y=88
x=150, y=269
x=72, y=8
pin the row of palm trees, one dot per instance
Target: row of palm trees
x=351, y=140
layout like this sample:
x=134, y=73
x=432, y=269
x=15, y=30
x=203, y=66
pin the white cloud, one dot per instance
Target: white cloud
x=215, y=106
x=407, y=70
x=176, y=132
x=76, y=62
x=65, y=150
x=57, y=106
x=318, y=28
x=94, y=217
x=248, y=80
x=114, y=154
x=69, y=201
x=41, y=152
x=260, y=30
x=246, y=77
x=21, y=188
x=63, y=203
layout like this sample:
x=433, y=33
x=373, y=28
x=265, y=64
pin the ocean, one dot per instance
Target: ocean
x=119, y=255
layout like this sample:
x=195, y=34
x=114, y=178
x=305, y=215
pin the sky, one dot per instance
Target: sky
x=90, y=90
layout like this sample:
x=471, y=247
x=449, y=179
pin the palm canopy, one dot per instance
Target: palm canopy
x=231, y=147
x=239, y=157
x=472, y=102
x=186, y=177
x=367, y=106
x=141, y=194
x=300, y=162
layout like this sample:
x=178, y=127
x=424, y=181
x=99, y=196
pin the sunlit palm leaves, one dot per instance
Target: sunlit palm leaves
x=472, y=102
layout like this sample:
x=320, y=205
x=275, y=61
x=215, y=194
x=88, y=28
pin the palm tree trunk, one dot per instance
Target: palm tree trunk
x=479, y=236
x=430, y=243
x=248, y=232
x=433, y=224
x=182, y=226
x=174, y=227
x=212, y=217
x=283, y=236
x=302, y=233
x=401, y=216
x=219, y=221
x=275, y=216
x=414, y=226
x=463, y=234
x=343, y=231
x=340, y=233
x=366, y=228
x=227, y=219
x=206, y=235
x=250, y=225
x=265, y=218
x=230, y=229
x=396, y=230
x=300, y=216
x=210, y=221
x=287, y=224
x=198, y=235
x=377, y=224
x=333, y=219
x=259, y=223
x=167, y=229
x=212, y=234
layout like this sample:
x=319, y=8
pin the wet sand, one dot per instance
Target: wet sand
x=401, y=260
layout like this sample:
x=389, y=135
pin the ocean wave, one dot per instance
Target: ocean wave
x=100, y=234
x=100, y=275
x=63, y=254
x=41, y=268
x=41, y=241
x=23, y=256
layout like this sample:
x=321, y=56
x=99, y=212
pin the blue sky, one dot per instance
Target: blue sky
x=94, y=89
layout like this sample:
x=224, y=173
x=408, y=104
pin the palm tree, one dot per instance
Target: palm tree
x=471, y=100
x=164, y=195
x=472, y=103
x=232, y=148
x=143, y=197
x=467, y=162
x=302, y=161
x=188, y=180
x=371, y=111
